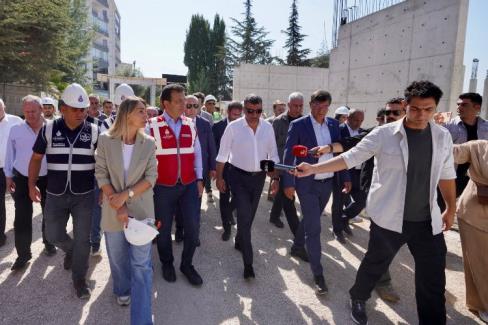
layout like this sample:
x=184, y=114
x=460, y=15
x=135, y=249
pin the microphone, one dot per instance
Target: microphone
x=301, y=151
x=271, y=166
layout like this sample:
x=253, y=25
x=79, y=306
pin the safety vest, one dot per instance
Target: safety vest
x=175, y=156
x=107, y=123
x=70, y=165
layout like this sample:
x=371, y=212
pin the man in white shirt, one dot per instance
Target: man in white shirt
x=245, y=142
x=412, y=157
x=6, y=123
x=19, y=151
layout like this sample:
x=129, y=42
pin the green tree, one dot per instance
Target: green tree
x=296, y=55
x=218, y=79
x=197, y=52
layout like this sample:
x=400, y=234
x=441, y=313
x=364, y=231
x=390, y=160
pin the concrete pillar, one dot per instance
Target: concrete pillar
x=484, y=108
x=153, y=95
x=111, y=89
x=473, y=84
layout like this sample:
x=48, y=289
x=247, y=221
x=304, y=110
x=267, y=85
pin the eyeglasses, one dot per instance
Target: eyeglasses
x=254, y=111
x=393, y=112
x=190, y=106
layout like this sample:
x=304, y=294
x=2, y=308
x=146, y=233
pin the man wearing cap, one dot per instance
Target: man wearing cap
x=19, y=151
x=341, y=113
x=69, y=145
x=245, y=143
x=7, y=121
x=208, y=108
x=179, y=181
x=48, y=109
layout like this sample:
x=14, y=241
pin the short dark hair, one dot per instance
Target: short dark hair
x=423, y=89
x=382, y=111
x=253, y=99
x=200, y=96
x=395, y=100
x=107, y=101
x=168, y=90
x=321, y=96
x=475, y=98
x=234, y=104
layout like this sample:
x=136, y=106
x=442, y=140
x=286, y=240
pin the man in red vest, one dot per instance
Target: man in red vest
x=179, y=181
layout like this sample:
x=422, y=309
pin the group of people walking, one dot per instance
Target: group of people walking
x=110, y=169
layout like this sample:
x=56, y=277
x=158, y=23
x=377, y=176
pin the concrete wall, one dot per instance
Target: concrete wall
x=12, y=95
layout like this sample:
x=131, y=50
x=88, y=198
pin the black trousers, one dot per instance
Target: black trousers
x=246, y=191
x=24, y=211
x=357, y=194
x=429, y=253
x=281, y=202
x=339, y=200
x=226, y=202
x=3, y=213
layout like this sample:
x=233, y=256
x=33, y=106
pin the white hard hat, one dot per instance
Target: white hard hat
x=75, y=96
x=343, y=110
x=122, y=92
x=140, y=232
x=209, y=97
x=47, y=101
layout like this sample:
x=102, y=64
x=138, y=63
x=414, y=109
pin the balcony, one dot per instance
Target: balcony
x=101, y=47
x=103, y=3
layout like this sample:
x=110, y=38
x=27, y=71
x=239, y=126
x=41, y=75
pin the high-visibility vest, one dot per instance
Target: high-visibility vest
x=70, y=165
x=176, y=156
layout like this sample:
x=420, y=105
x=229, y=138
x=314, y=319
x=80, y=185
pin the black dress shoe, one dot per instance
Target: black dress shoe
x=320, y=286
x=237, y=246
x=339, y=236
x=179, y=235
x=226, y=235
x=277, y=222
x=248, y=272
x=82, y=290
x=169, y=273
x=348, y=231
x=68, y=261
x=299, y=252
x=358, y=312
x=20, y=263
x=192, y=275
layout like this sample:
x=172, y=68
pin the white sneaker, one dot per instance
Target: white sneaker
x=484, y=316
x=123, y=300
x=356, y=219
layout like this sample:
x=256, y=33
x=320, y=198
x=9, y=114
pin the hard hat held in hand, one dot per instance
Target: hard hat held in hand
x=140, y=232
x=122, y=92
x=75, y=96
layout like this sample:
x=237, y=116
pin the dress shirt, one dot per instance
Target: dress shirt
x=176, y=127
x=460, y=134
x=244, y=149
x=19, y=150
x=353, y=133
x=322, y=134
x=5, y=125
x=389, y=145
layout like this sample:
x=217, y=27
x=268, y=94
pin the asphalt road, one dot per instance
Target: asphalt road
x=282, y=292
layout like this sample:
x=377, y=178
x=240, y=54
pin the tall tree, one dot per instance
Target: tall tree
x=197, y=51
x=218, y=79
x=296, y=55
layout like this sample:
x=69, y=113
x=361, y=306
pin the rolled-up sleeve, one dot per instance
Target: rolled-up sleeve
x=151, y=172
x=225, y=146
x=365, y=149
x=101, y=170
x=448, y=171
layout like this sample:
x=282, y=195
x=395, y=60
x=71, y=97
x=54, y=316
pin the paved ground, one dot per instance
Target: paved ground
x=281, y=293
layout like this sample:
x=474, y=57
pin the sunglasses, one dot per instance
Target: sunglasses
x=254, y=111
x=393, y=112
x=189, y=106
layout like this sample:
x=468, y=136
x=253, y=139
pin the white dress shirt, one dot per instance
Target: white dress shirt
x=5, y=125
x=389, y=145
x=19, y=150
x=322, y=134
x=244, y=149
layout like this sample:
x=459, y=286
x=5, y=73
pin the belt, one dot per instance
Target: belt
x=242, y=171
x=325, y=180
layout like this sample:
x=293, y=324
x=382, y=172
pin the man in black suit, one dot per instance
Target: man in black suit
x=234, y=111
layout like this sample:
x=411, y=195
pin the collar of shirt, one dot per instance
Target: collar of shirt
x=174, y=125
x=351, y=131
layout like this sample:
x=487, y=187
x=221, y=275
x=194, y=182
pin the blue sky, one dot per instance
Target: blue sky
x=153, y=31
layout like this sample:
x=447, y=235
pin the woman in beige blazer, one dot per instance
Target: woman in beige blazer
x=472, y=212
x=126, y=170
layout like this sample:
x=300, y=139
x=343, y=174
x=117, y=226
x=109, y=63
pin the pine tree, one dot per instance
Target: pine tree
x=197, y=52
x=218, y=78
x=296, y=56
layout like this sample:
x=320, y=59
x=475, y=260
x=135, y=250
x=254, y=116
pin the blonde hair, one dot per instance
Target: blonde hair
x=120, y=128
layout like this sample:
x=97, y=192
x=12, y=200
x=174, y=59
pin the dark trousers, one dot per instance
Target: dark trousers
x=313, y=201
x=461, y=183
x=339, y=200
x=179, y=218
x=3, y=213
x=58, y=210
x=23, y=214
x=207, y=182
x=429, y=253
x=226, y=203
x=166, y=199
x=357, y=194
x=246, y=191
x=281, y=202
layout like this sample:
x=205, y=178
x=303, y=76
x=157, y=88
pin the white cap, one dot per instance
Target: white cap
x=75, y=96
x=122, y=92
x=140, y=232
x=343, y=110
x=209, y=97
x=47, y=101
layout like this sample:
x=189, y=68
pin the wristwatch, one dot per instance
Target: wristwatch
x=131, y=194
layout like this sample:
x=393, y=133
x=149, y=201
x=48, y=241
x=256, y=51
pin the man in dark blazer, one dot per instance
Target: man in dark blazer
x=234, y=111
x=341, y=215
x=209, y=152
x=313, y=192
